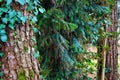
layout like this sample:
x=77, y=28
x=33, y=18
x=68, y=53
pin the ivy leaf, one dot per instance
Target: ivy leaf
x=36, y=12
x=1, y=54
x=2, y=31
x=35, y=30
x=34, y=39
x=12, y=21
x=36, y=54
x=1, y=74
x=3, y=9
x=34, y=19
x=19, y=14
x=4, y=20
x=22, y=2
x=9, y=2
x=42, y=10
x=4, y=38
x=2, y=26
x=27, y=1
x=23, y=19
x=12, y=13
x=72, y=26
x=11, y=26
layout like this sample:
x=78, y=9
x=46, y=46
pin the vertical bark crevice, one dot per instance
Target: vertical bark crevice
x=112, y=53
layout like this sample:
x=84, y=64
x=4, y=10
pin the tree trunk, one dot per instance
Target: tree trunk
x=18, y=62
x=112, y=53
x=108, y=61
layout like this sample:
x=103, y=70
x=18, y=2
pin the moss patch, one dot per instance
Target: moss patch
x=32, y=73
x=21, y=75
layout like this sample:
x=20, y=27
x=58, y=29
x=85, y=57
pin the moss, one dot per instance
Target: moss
x=40, y=58
x=21, y=75
x=32, y=73
x=14, y=34
x=35, y=46
x=26, y=49
x=45, y=72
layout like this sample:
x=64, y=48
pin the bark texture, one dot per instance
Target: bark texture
x=112, y=53
x=18, y=62
x=108, y=61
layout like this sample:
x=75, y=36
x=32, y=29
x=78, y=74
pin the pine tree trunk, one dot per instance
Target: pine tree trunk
x=18, y=62
x=112, y=53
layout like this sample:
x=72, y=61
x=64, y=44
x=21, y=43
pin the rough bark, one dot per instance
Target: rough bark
x=18, y=62
x=112, y=53
x=108, y=62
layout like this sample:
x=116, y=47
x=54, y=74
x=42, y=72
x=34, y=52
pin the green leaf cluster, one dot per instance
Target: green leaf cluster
x=10, y=16
x=64, y=27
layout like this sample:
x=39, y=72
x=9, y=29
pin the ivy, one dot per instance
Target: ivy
x=65, y=27
x=22, y=2
x=4, y=38
x=35, y=30
x=42, y=10
x=60, y=28
x=34, y=19
x=36, y=54
x=8, y=2
x=9, y=16
x=1, y=54
x=23, y=19
x=72, y=26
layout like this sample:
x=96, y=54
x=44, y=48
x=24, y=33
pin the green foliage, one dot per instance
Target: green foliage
x=22, y=2
x=72, y=26
x=1, y=74
x=23, y=19
x=32, y=73
x=9, y=2
x=36, y=54
x=45, y=72
x=76, y=46
x=60, y=29
x=57, y=21
x=10, y=16
x=3, y=38
x=34, y=19
x=42, y=10
x=22, y=75
x=26, y=49
x=63, y=27
x=35, y=30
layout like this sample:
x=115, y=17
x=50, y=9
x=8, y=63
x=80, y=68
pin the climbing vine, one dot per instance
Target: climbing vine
x=10, y=16
x=64, y=28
